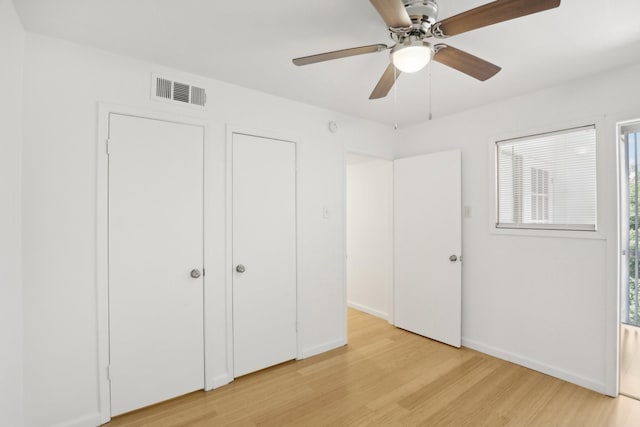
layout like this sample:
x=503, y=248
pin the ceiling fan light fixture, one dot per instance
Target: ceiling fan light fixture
x=411, y=56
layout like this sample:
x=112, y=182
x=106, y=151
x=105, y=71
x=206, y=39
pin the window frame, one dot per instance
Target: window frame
x=548, y=230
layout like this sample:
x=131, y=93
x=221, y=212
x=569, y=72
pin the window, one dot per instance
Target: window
x=548, y=181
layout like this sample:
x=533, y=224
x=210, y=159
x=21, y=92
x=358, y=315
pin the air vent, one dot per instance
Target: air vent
x=173, y=91
x=198, y=96
x=163, y=88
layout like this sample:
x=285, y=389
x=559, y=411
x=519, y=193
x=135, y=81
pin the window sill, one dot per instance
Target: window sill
x=558, y=234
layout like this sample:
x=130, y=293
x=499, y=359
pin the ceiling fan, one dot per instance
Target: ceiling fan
x=412, y=22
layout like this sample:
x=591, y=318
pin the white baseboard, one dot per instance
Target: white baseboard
x=221, y=380
x=86, y=421
x=368, y=310
x=331, y=345
x=582, y=381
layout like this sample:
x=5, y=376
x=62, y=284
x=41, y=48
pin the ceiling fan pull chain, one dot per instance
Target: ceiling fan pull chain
x=395, y=99
x=430, y=115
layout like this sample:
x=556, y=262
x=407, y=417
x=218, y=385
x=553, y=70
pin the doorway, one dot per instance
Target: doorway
x=630, y=297
x=370, y=235
x=423, y=243
x=155, y=261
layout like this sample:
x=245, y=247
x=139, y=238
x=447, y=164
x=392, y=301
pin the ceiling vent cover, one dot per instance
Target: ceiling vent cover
x=168, y=90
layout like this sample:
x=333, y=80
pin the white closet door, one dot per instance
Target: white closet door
x=428, y=244
x=155, y=241
x=264, y=252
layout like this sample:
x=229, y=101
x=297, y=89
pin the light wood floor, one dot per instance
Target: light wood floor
x=630, y=361
x=389, y=377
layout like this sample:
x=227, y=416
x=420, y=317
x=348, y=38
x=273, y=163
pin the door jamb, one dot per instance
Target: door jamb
x=102, y=237
x=260, y=133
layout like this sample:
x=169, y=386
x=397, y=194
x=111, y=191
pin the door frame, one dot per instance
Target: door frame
x=613, y=383
x=102, y=237
x=232, y=129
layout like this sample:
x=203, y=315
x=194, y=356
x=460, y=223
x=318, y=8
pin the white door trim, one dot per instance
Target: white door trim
x=102, y=237
x=231, y=130
x=614, y=301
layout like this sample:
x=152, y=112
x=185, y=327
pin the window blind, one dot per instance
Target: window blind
x=548, y=181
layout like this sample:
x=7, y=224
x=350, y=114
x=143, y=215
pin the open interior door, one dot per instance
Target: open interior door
x=428, y=245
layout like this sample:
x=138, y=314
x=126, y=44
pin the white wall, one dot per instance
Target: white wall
x=369, y=234
x=63, y=85
x=546, y=302
x=11, y=71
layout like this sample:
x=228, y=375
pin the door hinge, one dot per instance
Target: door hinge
x=203, y=272
x=109, y=372
x=107, y=145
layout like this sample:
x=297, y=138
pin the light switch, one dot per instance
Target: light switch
x=467, y=211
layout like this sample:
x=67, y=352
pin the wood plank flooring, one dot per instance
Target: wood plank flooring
x=630, y=361
x=390, y=377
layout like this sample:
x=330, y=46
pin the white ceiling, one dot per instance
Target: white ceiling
x=251, y=43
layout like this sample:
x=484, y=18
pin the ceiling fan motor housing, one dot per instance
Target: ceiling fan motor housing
x=423, y=14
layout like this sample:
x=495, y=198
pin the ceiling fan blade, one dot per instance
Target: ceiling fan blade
x=393, y=13
x=465, y=62
x=337, y=54
x=489, y=14
x=385, y=83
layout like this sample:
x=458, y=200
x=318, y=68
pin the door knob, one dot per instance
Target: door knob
x=195, y=273
x=240, y=268
x=453, y=258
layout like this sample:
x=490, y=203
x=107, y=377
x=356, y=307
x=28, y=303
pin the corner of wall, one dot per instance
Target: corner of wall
x=12, y=37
